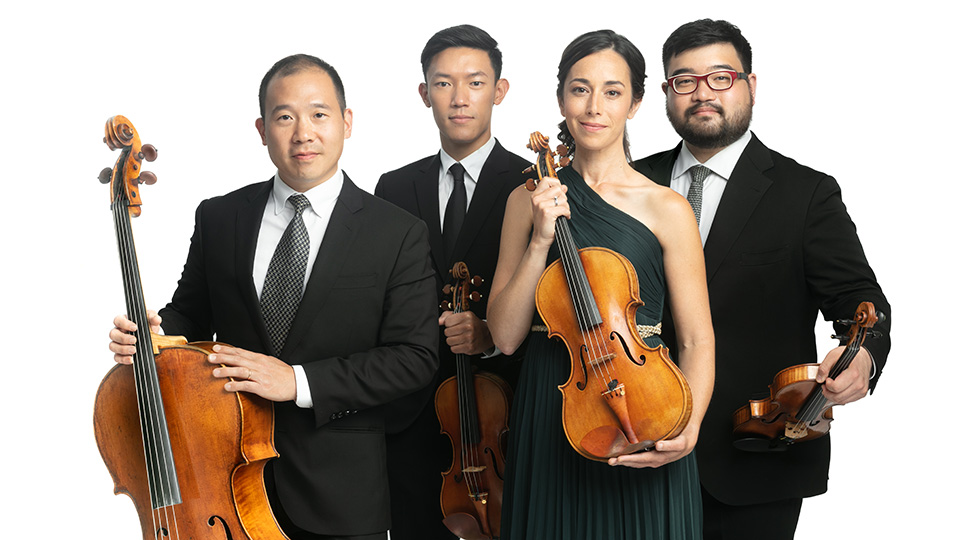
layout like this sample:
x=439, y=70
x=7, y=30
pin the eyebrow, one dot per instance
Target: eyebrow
x=470, y=75
x=607, y=83
x=711, y=69
x=315, y=105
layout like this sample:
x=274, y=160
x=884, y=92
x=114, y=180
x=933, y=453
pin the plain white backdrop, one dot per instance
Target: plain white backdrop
x=854, y=89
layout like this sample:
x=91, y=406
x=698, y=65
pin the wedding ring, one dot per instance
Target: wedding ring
x=555, y=202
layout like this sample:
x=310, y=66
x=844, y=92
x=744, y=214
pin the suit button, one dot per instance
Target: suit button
x=333, y=416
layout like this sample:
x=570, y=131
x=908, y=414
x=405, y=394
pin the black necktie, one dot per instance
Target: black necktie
x=283, y=286
x=455, y=211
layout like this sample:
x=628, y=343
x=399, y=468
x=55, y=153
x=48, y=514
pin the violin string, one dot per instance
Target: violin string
x=818, y=403
x=597, y=344
x=467, y=435
x=577, y=294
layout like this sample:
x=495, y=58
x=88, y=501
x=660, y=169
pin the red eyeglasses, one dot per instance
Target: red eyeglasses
x=717, y=81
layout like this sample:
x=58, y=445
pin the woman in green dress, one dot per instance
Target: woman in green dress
x=551, y=492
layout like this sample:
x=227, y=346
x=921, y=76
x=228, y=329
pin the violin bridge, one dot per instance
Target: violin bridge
x=602, y=359
x=474, y=469
x=795, y=430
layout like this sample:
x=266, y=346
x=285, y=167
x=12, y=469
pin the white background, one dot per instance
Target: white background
x=854, y=89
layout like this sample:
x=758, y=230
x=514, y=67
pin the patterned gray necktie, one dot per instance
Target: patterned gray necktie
x=698, y=173
x=283, y=285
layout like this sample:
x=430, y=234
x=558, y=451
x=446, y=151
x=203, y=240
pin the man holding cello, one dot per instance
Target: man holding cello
x=326, y=298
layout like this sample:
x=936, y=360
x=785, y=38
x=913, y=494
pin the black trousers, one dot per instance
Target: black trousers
x=769, y=521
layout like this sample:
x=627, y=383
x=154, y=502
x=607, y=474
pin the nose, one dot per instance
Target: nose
x=460, y=95
x=595, y=104
x=704, y=92
x=304, y=132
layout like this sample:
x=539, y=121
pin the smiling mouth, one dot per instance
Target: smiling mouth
x=589, y=126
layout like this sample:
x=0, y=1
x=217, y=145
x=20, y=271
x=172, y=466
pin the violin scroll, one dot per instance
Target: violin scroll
x=545, y=165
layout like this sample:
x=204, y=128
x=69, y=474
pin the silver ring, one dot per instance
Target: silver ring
x=555, y=202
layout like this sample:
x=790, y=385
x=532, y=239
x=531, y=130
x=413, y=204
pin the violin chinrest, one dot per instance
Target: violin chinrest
x=465, y=526
x=608, y=441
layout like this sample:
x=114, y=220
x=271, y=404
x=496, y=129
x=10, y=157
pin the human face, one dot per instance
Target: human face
x=597, y=100
x=710, y=120
x=303, y=128
x=461, y=90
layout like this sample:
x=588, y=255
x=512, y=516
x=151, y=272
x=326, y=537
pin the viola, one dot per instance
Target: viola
x=188, y=453
x=622, y=395
x=473, y=412
x=796, y=410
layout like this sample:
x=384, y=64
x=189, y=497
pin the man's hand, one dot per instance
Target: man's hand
x=852, y=384
x=266, y=376
x=123, y=342
x=466, y=333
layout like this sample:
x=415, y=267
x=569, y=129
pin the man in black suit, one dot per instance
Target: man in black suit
x=461, y=69
x=363, y=332
x=779, y=246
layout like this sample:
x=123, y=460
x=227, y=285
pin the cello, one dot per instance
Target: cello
x=796, y=410
x=622, y=396
x=473, y=411
x=188, y=453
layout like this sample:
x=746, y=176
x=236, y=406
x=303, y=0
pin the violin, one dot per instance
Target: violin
x=188, y=453
x=622, y=396
x=473, y=412
x=797, y=410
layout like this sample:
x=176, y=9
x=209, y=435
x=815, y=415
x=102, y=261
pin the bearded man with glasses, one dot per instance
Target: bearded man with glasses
x=779, y=246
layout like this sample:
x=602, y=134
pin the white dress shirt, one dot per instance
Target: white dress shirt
x=721, y=167
x=472, y=164
x=276, y=217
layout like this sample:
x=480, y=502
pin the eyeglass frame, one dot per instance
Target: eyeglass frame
x=736, y=75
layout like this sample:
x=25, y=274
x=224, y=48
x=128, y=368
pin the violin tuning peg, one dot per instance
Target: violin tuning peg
x=148, y=152
x=147, y=177
x=447, y=288
x=445, y=305
x=476, y=281
x=475, y=296
x=562, y=149
x=105, y=175
x=564, y=161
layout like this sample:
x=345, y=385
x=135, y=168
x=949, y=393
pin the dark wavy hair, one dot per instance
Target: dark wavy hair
x=707, y=32
x=594, y=42
x=295, y=64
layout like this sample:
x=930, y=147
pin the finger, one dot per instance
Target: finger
x=235, y=372
x=124, y=324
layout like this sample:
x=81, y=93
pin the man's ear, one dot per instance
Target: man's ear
x=261, y=129
x=503, y=86
x=424, y=94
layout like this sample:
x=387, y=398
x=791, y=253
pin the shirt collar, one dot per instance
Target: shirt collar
x=319, y=196
x=473, y=163
x=721, y=164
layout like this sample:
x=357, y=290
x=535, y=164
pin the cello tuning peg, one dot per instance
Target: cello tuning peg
x=147, y=177
x=105, y=175
x=148, y=152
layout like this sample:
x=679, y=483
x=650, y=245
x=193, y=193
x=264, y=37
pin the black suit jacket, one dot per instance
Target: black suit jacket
x=365, y=333
x=414, y=188
x=781, y=248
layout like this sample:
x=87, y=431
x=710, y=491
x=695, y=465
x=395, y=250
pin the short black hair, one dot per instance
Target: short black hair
x=707, y=32
x=295, y=64
x=464, y=35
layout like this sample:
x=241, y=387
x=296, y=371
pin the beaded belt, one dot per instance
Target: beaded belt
x=644, y=330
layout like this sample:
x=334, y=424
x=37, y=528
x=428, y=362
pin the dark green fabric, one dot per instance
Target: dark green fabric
x=553, y=493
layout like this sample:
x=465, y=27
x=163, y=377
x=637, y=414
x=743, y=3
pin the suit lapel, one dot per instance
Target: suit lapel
x=248, y=222
x=428, y=203
x=337, y=241
x=745, y=188
x=493, y=179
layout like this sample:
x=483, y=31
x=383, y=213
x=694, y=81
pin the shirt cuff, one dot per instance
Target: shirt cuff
x=304, y=399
